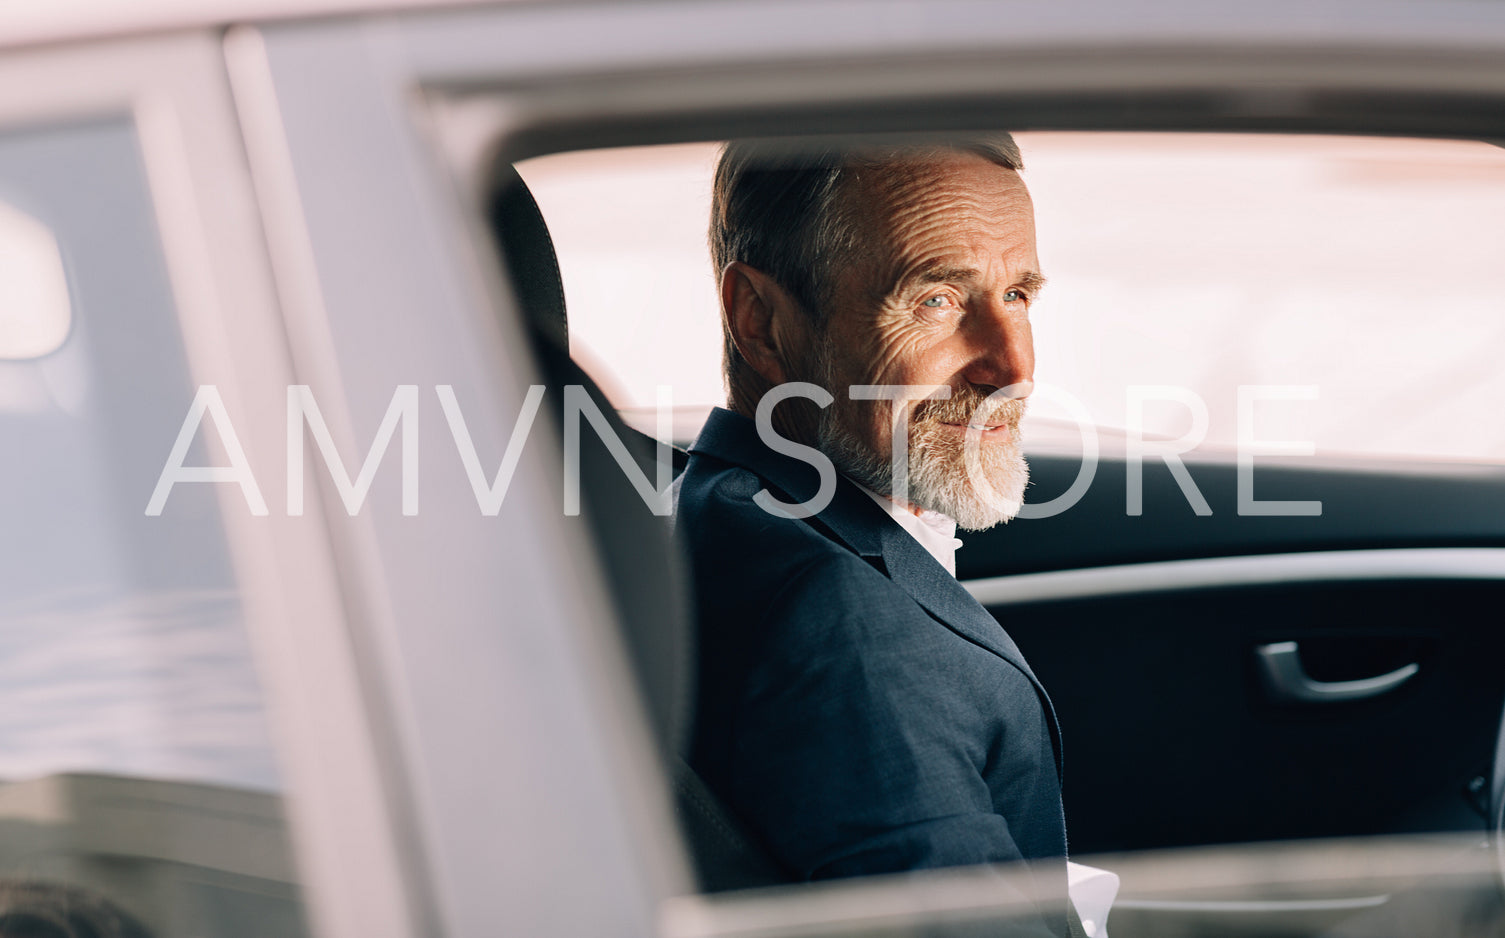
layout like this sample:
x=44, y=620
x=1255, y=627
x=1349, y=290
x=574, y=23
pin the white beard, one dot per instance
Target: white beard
x=977, y=492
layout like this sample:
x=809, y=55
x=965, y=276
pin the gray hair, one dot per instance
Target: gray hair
x=779, y=209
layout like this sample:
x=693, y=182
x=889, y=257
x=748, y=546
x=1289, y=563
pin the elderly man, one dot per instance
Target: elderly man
x=858, y=709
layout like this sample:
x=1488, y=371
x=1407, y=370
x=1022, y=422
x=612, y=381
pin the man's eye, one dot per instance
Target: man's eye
x=1014, y=296
x=937, y=302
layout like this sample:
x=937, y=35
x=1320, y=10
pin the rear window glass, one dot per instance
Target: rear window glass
x=1356, y=280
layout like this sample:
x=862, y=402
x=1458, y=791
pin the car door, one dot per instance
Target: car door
x=1199, y=664
x=497, y=81
x=183, y=734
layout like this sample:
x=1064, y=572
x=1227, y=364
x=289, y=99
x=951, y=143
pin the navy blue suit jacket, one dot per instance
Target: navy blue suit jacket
x=857, y=708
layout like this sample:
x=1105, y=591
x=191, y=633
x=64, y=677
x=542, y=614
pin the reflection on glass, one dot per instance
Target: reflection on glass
x=34, y=309
x=135, y=761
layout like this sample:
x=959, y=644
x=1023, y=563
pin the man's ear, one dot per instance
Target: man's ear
x=762, y=318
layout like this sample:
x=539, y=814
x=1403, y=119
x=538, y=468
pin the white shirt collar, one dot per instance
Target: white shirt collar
x=934, y=531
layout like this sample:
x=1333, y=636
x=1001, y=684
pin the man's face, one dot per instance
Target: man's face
x=937, y=293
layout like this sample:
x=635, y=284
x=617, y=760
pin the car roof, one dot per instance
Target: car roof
x=1406, y=23
x=32, y=23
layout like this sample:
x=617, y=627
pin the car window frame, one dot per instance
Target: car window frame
x=492, y=84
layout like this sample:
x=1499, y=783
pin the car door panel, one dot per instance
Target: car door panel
x=1172, y=734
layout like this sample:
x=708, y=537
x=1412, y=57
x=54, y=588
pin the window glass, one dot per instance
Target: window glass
x=134, y=750
x=1355, y=278
x=629, y=228
x=34, y=311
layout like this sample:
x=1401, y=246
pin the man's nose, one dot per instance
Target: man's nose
x=1002, y=351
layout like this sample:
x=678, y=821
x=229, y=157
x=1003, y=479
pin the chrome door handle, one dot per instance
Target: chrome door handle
x=1288, y=682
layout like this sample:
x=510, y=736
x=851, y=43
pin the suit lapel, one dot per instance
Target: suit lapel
x=927, y=582
x=855, y=521
x=939, y=593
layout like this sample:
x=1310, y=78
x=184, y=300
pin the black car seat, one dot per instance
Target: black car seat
x=643, y=567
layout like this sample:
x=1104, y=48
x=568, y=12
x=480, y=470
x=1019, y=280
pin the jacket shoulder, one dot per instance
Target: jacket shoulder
x=792, y=582
x=716, y=510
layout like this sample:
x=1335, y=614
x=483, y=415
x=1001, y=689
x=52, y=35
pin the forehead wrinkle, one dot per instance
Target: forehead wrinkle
x=928, y=243
x=921, y=214
x=905, y=271
x=940, y=272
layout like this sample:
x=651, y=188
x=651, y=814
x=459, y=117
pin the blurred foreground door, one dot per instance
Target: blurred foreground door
x=182, y=727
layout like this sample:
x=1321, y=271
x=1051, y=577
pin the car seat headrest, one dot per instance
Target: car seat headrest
x=641, y=563
x=528, y=251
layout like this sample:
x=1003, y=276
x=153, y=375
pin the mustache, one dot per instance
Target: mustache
x=969, y=405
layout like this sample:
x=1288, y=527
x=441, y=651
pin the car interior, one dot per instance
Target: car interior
x=1266, y=687
x=287, y=703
